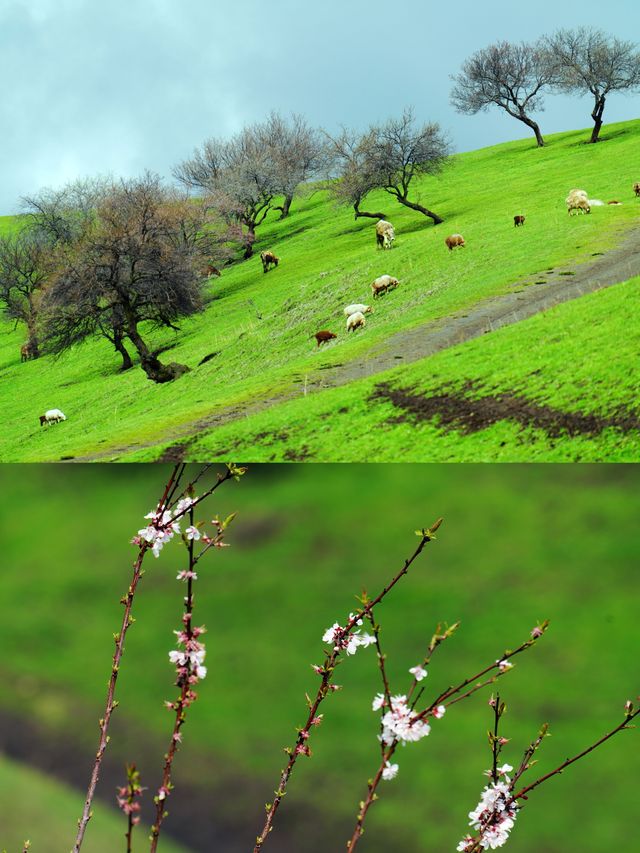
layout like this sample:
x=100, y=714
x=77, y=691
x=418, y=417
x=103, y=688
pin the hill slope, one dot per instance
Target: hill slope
x=260, y=327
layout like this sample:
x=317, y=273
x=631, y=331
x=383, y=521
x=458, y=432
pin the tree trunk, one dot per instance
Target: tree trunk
x=534, y=127
x=251, y=238
x=34, y=349
x=424, y=210
x=118, y=343
x=596, y=115
x=153, y=367
x=286, y=206
x=359, y=213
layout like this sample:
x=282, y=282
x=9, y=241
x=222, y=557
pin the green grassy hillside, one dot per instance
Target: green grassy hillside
x=555, y=370
x=261, y=326
x=534, y=542
x=39, y=809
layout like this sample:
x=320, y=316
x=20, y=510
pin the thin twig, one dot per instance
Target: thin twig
x=111, y=704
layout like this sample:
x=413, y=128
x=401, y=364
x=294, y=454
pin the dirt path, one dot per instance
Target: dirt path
x=526, y=298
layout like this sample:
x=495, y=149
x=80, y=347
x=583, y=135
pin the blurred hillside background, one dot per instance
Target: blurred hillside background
x=519, y=544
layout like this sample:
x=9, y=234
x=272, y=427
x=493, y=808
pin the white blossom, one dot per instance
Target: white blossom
x=390, y=771
x=418, y=672
x=378, y=702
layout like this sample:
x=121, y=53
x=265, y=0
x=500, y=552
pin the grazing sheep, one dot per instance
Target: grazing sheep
x=268, y=259
x=518, y=220
x=578, y=200
x=453, y=241
x=356, y=321
x=26, y=352
x=385, y=234
x=351, y=309
x=323, y=336
x=382, y=284
x=52, y=416
x=636, y=188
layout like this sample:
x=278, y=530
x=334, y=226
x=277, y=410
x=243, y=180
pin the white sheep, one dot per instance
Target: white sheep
x=578, y=200
x=352, y=309
x=385, y=234
x=356, y=321
x=382, y=284
x=52, y=416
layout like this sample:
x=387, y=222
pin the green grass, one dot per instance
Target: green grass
x=579, y=357
x=519, y=543
x=262, y=325
x=43, y=811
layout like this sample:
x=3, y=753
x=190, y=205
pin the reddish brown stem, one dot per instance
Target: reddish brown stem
x=111, y=704
x=370, y=798
x=300, y=746
x=522, y=793
x=186, y=697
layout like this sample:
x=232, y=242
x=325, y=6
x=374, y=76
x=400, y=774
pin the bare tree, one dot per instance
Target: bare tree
x=297, y=151
x=132, y=265
x=506, y=75
x=399, y=151
x=240, y=178
x=349, y=155
x=590, y=61
x=25, y=266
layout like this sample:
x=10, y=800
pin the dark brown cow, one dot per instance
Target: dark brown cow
x=518, y=220
x=323, y=336
x=268, y=260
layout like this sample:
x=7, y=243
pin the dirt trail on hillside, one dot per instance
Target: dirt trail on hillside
x=530, y=296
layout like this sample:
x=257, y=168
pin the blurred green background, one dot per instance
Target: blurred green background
x=519, y=544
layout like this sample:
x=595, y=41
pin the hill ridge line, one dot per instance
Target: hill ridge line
x=525, y=299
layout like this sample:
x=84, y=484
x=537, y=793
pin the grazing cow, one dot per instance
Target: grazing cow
x=382, y=284
x=52, y=416
x=323, y=336
x=268, y=260
x=356, y=321
x=518, y=220
x=454, y=241
x=385, y=234
x=26, y=352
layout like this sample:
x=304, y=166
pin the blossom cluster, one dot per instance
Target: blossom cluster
x=189, y=660
x=128, y=795
x=337, y=636
x=494, y=816
x=163, y=526
x=400, y=722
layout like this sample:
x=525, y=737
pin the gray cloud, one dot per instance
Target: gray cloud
x=94, y=88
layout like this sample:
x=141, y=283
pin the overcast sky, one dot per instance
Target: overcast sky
x=92, y=87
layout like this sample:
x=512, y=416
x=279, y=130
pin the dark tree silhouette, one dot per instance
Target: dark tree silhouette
x=509, y=76
x=585, y=61
x=397, y=152
x=351, y=164
x=137, y=261
x=297, y=151
x=25, y=265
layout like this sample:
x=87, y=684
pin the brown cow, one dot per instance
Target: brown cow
x=518, y=220
x=211, y=270
x=26, y=352
x=454, y=241
x=268, y=259
x=323, y=336
x=636, y=188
